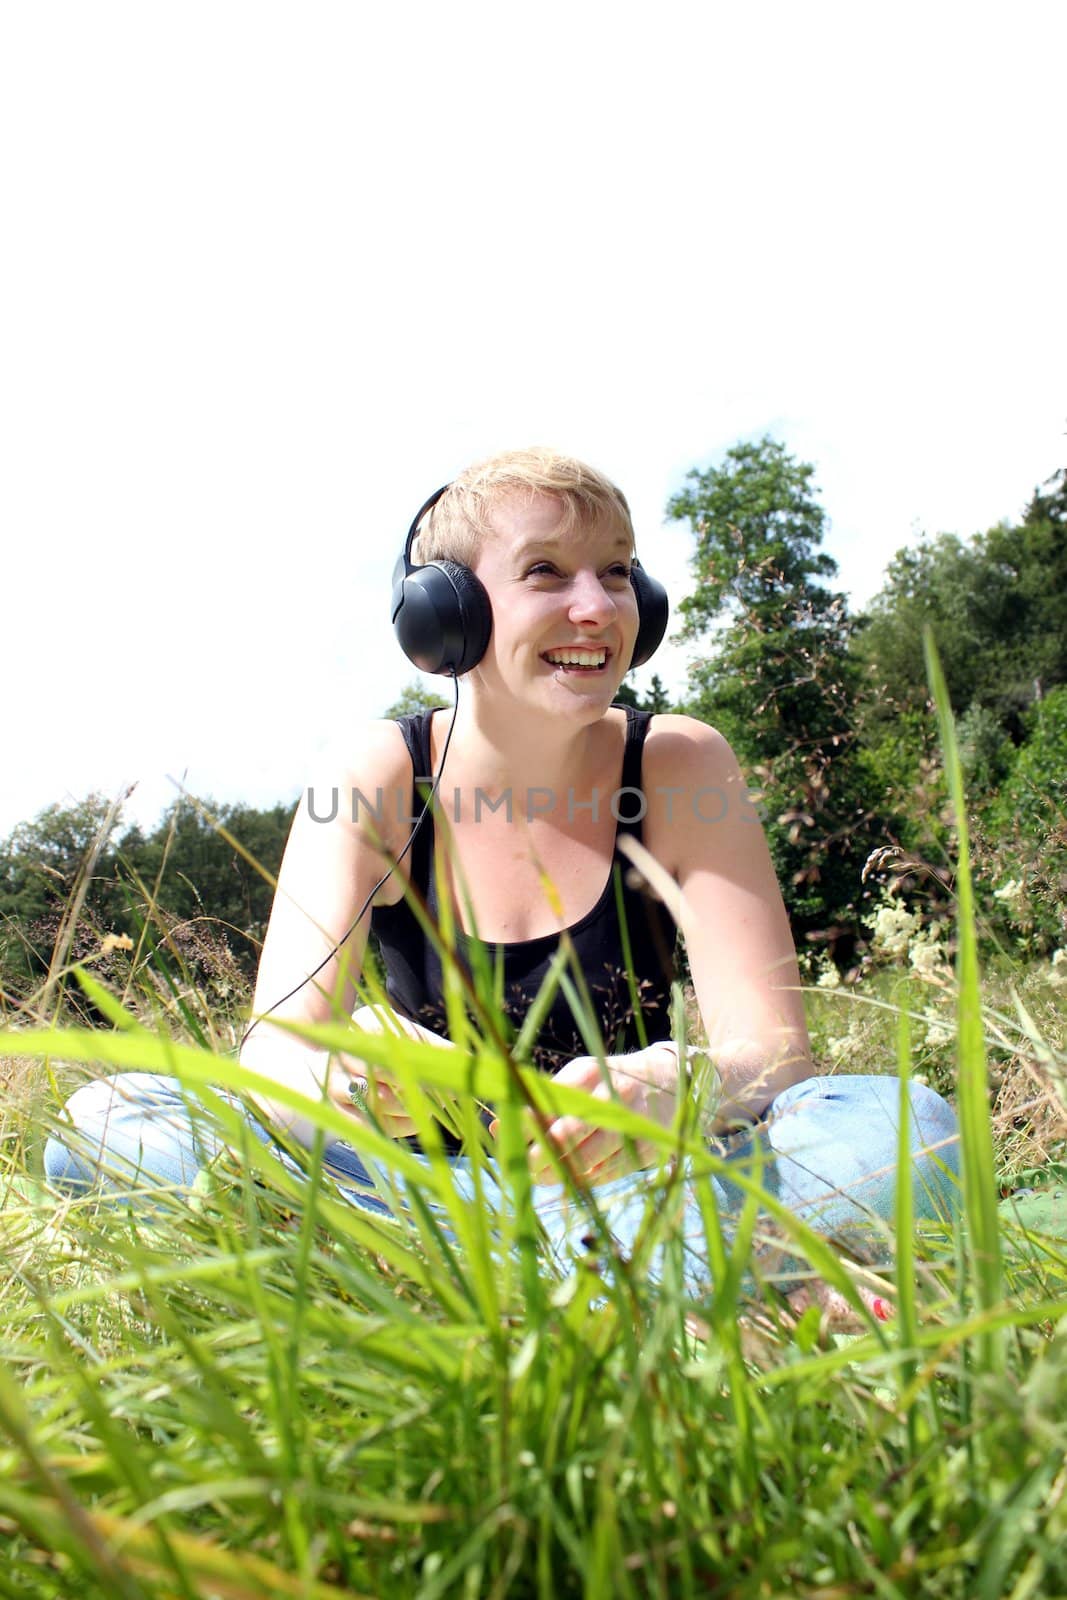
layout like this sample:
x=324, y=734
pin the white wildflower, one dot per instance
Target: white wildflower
x=893, y=927
x=847, y=1044
x=938, y=1031
x=829, y=977
x=925, y=960
x=1010, y=891
x=927, y=956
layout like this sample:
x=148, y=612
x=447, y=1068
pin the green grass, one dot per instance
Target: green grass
x=264, y=1391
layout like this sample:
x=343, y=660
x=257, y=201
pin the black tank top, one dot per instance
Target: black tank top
x=413, y=968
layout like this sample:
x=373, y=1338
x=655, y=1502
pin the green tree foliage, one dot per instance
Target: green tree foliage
x=936, y=584
x=975, y=606
x=657, y=700
x=206, y=879
x=41, y=867
x=413, y=697
x=184, y=879
x=997, y=607
x=40, y=861
x=1032, y=560
x=1023, y=834
x=777, y=677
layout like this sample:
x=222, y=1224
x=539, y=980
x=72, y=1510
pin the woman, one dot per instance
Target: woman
x=543, y=776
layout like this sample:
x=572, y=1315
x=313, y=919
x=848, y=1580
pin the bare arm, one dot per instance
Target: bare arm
x=334, y=857
x=733, y=918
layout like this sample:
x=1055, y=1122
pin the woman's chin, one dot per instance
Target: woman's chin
x=583, y=683
x=590, y=692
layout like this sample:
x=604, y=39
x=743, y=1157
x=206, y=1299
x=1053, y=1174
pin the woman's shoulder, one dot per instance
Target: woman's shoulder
x=364, y=777
x=686, y=747
x=375, y=749
x=691, y=779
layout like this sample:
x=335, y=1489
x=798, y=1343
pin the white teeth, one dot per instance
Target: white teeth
x=577, y=658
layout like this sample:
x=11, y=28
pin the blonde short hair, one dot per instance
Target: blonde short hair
x=455, y=527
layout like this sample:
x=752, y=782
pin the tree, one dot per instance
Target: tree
x=777, y=677
x=932, y=584
x=49, y=868
x=1021, y=842
x=207, y=883
x=971, y=597
x=413, y=697
x=657, y=699
x=997, y=607
x=40, y=861
x=1032, y=563
x=184, y=877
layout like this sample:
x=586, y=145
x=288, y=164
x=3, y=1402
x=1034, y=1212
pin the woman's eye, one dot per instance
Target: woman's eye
x=544, y=569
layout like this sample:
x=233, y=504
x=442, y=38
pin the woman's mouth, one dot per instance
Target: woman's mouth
x=576, y=659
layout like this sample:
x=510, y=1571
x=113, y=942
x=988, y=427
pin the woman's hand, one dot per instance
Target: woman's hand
x=646, y=1080
x=358, y=1087
x=366, y=1092
x=354, y=1086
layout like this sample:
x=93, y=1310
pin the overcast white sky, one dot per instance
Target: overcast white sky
x=274, y=272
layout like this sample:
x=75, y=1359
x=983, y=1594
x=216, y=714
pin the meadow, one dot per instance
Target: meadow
x=260, y=1390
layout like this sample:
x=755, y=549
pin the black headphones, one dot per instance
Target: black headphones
x=443, y=618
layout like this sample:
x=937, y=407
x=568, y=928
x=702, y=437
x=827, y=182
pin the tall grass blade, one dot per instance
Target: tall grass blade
x=907, y=1324
x=980, y=1194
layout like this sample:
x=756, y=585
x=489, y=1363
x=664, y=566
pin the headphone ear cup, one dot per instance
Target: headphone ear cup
x=653, y=610
x=442, y=616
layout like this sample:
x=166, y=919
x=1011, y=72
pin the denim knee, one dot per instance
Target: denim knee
x=137, y=1127
x=935, y=1152
x=841, y=1132
x=145, y=1129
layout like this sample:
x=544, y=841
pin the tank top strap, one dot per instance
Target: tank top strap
x=632, y=804
x=415, y=728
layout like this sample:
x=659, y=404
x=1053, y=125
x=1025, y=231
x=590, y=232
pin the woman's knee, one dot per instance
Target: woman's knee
x=935, y=1142
x=845, y=1130
x=932, y=1111
x=135, y=1127
x=871, y=1101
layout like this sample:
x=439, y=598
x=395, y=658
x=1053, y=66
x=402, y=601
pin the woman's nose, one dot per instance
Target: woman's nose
x=590, y=601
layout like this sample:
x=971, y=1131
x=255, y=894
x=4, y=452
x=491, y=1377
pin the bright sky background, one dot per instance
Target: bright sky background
x=272, y=273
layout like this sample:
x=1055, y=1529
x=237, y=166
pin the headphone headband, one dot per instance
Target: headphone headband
x=427, y=505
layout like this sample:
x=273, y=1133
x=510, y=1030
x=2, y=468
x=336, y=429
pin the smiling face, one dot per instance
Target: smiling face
x=564, y=610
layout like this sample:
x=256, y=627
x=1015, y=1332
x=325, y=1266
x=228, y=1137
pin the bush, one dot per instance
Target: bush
x=1023, y=835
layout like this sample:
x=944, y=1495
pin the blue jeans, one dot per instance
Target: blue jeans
x=827, y=1152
